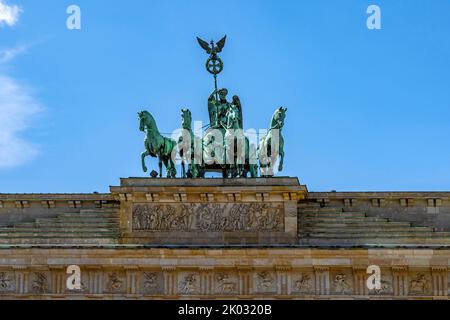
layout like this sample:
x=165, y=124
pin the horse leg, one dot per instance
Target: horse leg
x=183, y=170
x=281, y=152
x=253, y=172
x=280, y=165
x=241, y=171
x=262, y=171
x=143, y=155
x=271, y=158
x=199, y=173
x=224, y=173
x=166, y=165
x=172, y=170
x=160, y=167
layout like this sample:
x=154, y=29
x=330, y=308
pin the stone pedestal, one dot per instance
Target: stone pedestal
x=260, y=211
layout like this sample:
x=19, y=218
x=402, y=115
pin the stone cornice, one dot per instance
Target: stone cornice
x=381, y=194
x=55, y=196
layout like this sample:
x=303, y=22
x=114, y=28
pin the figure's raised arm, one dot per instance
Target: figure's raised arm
x=212, y=96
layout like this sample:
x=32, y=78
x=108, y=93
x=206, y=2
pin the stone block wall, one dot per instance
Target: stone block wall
x=16, y=208
x=420, y=208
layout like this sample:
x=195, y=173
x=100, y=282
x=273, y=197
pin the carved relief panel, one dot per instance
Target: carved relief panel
x=7, y=282
x=420, y=283
x=265, y=282
x=386, y=284
x=226, y=283
x=208, y=217
x=152, y=283
x=40, y=282
x=341, y=282
x=115, y=282
x=303, y=283
x=188, y=283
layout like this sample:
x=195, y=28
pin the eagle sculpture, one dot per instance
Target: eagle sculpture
x=212, y=49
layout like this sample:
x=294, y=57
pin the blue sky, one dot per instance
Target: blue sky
x=368, y=110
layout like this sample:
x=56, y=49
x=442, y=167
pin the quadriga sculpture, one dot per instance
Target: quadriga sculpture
x=223, y=148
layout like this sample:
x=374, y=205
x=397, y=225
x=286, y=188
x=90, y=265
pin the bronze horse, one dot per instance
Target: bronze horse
x=156, y=145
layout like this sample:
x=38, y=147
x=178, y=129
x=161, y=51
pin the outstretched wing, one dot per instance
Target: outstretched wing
x=221, y=44
x=204, y=45
x=237, y=103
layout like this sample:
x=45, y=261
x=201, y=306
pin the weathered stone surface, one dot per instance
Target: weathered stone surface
x=208, y=217
x=209, y=211
x=291, y=272
x=224, y=238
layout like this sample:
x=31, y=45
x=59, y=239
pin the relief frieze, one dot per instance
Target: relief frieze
x=207, y=217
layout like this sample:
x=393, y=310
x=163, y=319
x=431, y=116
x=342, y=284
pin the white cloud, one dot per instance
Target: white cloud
x=9, y=14
x=9, y=54
x=18, y=108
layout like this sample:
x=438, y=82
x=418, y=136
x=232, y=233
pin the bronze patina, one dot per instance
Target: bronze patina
x=223, y=148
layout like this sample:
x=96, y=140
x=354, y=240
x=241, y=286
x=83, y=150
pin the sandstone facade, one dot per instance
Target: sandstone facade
x=215, y=238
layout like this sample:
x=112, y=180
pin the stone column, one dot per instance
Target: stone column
x=359, y=281
x=206, y=280
x=283, y=280
x=21, y=275
x=170, y=281
x=322, y=280
x=400, y=280
x=440, y=282
x=95, y=280
x=132, y=279
x=58, y=279
x=245, y=280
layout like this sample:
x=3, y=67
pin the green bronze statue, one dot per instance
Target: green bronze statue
x=218, y=107
x=272, y=145
x=223, y=148
x=191, y=149
x=214, y=64
x=238, y=151
x=156, y=145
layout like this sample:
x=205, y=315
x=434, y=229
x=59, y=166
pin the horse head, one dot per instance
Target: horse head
x=146, y=120
x=278, y=118
x=186, y=119
x=141, y=116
